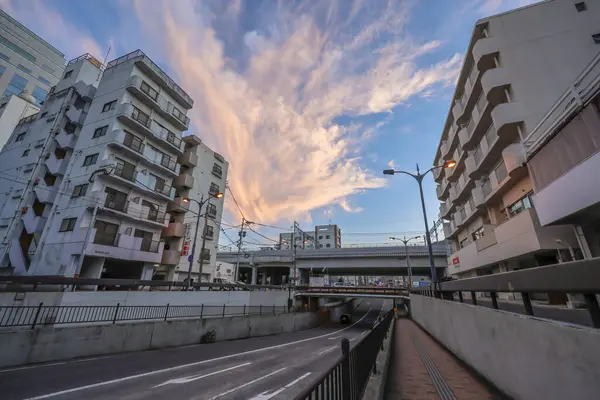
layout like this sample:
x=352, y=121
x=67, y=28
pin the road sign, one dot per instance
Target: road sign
x=190, y=257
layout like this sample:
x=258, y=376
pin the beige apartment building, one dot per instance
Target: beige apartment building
x=517, y=64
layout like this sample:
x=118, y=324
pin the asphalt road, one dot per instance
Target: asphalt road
x=272, y=367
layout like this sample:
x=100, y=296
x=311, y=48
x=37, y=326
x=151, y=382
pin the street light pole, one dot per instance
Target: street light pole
x=419, y=178
x=405, y=241
x=198, y=215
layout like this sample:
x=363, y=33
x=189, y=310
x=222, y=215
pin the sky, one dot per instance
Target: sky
x=308, y=100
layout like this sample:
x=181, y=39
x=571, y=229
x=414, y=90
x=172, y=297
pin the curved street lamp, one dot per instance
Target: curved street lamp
x=200, y=203
x=405, y=241
x=419, y=178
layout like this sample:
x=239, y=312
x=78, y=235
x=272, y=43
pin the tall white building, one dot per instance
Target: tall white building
x=117, y=170
x=516, y=65
x=14, y=108
x=203, y=174
x=27, y=62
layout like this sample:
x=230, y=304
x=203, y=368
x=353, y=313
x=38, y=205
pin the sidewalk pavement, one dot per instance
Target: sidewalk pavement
x=421, y=369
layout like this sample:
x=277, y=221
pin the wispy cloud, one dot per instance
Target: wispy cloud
x=391, y=164
x=271, y=107
x=345, y=204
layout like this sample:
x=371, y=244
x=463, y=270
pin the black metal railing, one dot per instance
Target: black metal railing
x=580, y=277
x=16, y=283
x=348, y=377
x=40, y=315
x=353, y=290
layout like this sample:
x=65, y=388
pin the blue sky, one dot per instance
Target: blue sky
x=308, y=100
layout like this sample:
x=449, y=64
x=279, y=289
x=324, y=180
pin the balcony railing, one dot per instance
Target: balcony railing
x=133, y=143
x=126, y=172
x=140, y=116
x=178, y=114
x=168, y=163
x=107, y=239
x=117, y=205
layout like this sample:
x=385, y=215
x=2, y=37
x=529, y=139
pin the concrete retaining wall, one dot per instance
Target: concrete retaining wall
x=146, y=298
x=42, y=345
x=525, y=357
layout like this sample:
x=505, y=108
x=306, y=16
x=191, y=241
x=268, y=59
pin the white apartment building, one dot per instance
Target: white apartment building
x=563, y=157
x=27, y=62
x=203, y=174
x=107, y=218
x=14, y=108
x=35, y=166
x=302, y=239
x=516, y=65
x=328, y=236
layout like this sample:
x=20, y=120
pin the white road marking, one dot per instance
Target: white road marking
x=158, y=371
x=196, y=377
x=266, y=395
x=52, y=364
x=334, y=337
x=235, y=389
x=327, y=350
x=363, y=333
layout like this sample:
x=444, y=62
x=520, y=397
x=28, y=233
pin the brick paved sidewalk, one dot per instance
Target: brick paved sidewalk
x=410, y=378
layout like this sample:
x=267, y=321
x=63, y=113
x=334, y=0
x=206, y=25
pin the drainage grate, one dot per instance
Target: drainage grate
x=436, y=377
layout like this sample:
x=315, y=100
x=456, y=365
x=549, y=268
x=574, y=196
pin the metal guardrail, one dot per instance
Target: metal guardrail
x=41, y=315
x=14, y=283
x=575, y=277
x=348, y=377
x=351, y=290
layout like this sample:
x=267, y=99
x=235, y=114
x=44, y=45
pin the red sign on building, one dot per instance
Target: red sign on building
x=455, y=261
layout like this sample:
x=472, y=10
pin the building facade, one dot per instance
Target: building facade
x=14, y=108
x=516, y=65
x=328, y=236
x=115, y=150
x=563, y=157
x=27, y=62
x=203, y=174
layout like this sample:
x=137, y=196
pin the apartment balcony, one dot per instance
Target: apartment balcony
x=514, y=159
x=171, y=257
x=485, y=49
x=145, y=182
x=189, y=159
x=129, y=210
x=463, y=190
x=455, y=172
x=493, y=82
x=521, y=235
x=56, y=166
x=458, y=109
x=438, y=174
x=164, y=162
x=490, y=149
x=447, y=229
x=178, y=206
x=33, y=223
x=453, y=194
x=471, y=167
x=440, y=191
x=174, y=229
x=132, y=145
x=140, y=122
x=122, y=247
x=506, y=116
x=184, y=181
x=75, y=115
x=65, y=139
x=444, y=148
x=147, y=66
x=446, y=208
x=44, y=193
x=478, y=197
x=464, y=136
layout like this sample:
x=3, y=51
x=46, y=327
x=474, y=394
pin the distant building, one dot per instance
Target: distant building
x=327, y=236
x=27, y=62
x=14, y=108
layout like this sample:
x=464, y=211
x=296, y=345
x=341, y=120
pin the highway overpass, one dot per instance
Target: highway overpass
x=357, y=261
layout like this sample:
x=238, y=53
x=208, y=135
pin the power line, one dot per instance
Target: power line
x=263, y=236
x=235, y=201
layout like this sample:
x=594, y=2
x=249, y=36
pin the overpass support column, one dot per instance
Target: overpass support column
x=254, y=275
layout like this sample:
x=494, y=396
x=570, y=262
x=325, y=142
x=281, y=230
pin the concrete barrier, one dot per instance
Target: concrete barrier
x=52, y=344
x=523, y=356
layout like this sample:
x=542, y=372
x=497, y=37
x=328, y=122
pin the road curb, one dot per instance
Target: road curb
x=376, y=387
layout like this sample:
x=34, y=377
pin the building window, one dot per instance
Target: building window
x=24, y=69
x=20, y=137
x=109, y=106
x=17, y=49
x=79, y=190
x=581, y=6
x=39, y=94
x=206, y=254
x=500, y=172
x=463, y=243
x=211, y=210
x=44, y=80
x=67, y=224
x=321, y=237
x=48, y=68
x=519, y=206
x=327, y=245
x=70, y=128
x=217, y=170
x=106, y=233
x=100, y=131
x=209, y=232
x=214, y=189
x=25, y=153
x=328, y=237
x=4, y=57
x=16, y=86
x=149, y=90
x=90, y=160
x=478, y=234
x=68, y=74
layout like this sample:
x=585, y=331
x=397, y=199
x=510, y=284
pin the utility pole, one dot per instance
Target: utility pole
x=191, y=256
x=203, y=241
x=295, y=270
x=241, y=235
